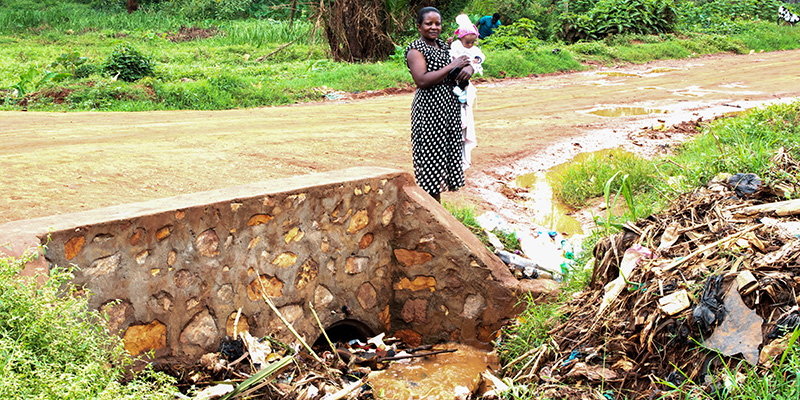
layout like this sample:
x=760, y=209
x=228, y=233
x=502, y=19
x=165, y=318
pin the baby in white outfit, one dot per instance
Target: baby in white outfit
x=467, y=35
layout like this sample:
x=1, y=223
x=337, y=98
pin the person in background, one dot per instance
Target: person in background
x=488, y=24
x=436, y=136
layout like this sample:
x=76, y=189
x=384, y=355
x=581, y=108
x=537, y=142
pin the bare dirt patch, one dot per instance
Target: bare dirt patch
x=186, y=34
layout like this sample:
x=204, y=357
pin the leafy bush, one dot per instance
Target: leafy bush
x=543, y=13
x=52, y=347
x=519, y=35
x=724, y=17
x=609, y=17
x=128, y=63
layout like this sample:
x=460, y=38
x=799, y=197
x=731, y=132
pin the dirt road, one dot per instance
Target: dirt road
x=65, y=162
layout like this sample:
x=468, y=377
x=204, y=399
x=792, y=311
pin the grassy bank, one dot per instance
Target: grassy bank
x=756, y=141
x=224, y=64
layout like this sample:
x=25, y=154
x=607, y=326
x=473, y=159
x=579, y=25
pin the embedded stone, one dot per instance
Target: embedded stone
x=155, y=271
x=291, y=313
x=419, y=283
x=103, y=265
x=285, y=259
x=322, y=297
x=411, y=257
x=240, y=327
x=355, y=265
x=207, y=243
x=141, y=338
x=294, y=234
x=142, y=257
x=259, y=219
x=191, y=303
x=415, y=311
x=73, y=247
x=273, y=287
x=162, y=300
x=163, y=233
x=409, y=337
x=184, y=279
x=367, y=188
x=331, y=265
x=179, y=215
x=102, y=238
x=358, y=222
x=253, y=242
x=225, y=294
x=357, y=191
x=387, y=215
x=365, y=241
x=367, y=296
x=307, y=272
x=117, y=313
x=386, y=318
x=324, y=246
x=172, y=257
x=235, y=206
x=138, y=237
x=201, y=331
x=473, y=306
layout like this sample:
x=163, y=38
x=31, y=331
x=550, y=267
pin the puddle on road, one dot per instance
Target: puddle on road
x=547, y=210
x=433, y=377
x=626, y=111
x=614, y=73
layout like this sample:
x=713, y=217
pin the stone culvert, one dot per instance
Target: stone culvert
x=363, y=244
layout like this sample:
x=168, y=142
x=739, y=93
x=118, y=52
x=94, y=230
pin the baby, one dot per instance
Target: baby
x=467, y=35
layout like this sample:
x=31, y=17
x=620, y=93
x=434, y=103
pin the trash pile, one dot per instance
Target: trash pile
x=263, y=368
x=544, y=253
x=690, y=298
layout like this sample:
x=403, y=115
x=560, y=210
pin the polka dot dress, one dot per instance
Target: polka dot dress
x=436, y=127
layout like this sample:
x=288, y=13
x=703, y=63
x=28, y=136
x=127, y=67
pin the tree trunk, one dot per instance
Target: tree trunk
x=133, y=5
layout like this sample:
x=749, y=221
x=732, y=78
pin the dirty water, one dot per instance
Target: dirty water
x=548, y=212
x=626, y=111
x=434, y=377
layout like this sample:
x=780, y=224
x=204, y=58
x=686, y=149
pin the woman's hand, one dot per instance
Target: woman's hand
x=465, y=73
x=459, y=62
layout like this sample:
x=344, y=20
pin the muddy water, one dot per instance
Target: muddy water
x=548, y=211
x=626, y=111
x=434, y=377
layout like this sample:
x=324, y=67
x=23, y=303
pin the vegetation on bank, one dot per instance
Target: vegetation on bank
x=66, y=55
x=52, y=347
x=745, y=143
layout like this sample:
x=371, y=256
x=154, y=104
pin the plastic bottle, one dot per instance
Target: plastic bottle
x=528, y=267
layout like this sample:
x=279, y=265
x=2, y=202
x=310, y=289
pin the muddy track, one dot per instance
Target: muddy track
x=66, y=162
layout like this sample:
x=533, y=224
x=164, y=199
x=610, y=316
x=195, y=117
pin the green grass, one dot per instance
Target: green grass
x=51, y=347
x=222, y=72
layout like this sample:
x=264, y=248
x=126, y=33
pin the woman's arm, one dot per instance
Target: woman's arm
x=425, y=79
x=465, y=73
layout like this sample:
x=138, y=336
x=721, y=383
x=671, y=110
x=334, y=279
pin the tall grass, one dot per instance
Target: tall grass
x=52, y=347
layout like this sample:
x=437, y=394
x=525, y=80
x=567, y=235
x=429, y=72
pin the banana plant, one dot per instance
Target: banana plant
x=33, y=79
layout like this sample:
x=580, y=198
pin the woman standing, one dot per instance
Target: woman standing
x=436, y=139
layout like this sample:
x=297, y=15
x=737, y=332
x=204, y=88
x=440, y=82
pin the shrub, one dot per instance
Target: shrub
x=609, y=17
x=52, y=347
x=543, y=13
x=128, y=63
x=519, y=35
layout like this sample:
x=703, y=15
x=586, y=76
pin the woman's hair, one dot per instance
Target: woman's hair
x=425, y=11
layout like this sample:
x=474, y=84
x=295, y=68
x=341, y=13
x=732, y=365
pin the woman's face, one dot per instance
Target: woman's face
x=431, y=26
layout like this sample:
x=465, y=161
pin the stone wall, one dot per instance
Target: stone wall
x=360, y=244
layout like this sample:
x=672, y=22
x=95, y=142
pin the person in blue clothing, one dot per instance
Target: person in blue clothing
x=488, y=24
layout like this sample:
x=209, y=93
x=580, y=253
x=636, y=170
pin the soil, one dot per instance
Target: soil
x=58, y=163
